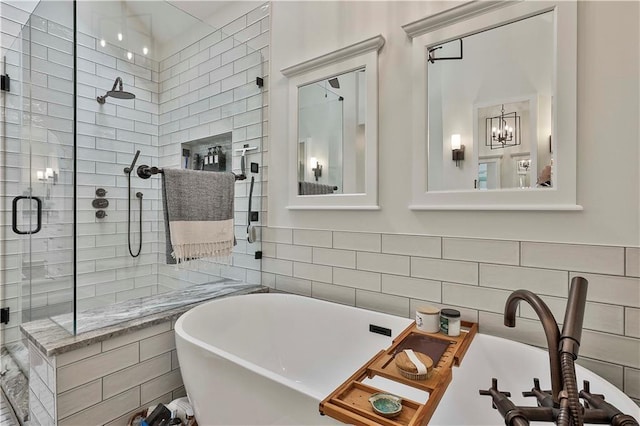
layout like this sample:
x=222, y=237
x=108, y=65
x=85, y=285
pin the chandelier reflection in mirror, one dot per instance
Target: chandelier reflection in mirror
x=503, y=131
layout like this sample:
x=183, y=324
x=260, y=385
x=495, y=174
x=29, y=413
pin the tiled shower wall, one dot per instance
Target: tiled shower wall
x=396, y=273
x=108, y=136
x=207, y=89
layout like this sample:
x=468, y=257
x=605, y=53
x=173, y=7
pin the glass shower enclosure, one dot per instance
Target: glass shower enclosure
x=77, y=232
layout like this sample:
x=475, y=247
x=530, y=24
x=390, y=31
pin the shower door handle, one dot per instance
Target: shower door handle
x=14, y=215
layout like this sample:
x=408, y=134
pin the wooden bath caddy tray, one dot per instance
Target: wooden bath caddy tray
x=349, y=403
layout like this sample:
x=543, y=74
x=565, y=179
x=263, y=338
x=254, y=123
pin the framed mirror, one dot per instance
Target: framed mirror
x=333, y=129
x=495, y=107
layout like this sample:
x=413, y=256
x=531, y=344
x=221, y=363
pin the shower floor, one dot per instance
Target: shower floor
x=14, y=359
x=7, y=416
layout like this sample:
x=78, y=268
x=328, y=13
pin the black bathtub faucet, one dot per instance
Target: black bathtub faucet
x=561, y=404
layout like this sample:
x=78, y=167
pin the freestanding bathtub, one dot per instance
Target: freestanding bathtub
x=271, y=358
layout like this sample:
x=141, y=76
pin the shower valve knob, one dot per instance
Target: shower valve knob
x=100, y=214
x=100, y=203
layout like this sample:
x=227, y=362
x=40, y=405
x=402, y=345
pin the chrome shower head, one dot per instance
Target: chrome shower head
x=334, y=82
x=118, y=94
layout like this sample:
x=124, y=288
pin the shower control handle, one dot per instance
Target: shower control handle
x=100, y=203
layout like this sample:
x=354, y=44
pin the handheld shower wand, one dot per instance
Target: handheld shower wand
x=129, y=169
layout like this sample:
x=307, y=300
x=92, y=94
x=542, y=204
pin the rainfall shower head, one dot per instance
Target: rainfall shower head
x=118, y=94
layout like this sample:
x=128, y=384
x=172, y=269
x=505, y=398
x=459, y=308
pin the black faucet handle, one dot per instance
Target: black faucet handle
x=544, y=397
x=586, y=389
x=513, y=416
x=596, y=403
x=536, y=387
x=493, y=392
x=494, y=387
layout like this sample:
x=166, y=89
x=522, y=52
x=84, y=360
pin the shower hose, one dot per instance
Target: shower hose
x=139, y=196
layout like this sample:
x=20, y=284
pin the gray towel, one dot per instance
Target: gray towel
x=312, y=188
x=198, y=214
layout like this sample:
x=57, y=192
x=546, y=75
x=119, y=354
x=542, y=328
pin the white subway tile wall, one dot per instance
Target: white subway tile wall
x=106, y=381
x=178, y=99
x=398, y=273
x=210, y=88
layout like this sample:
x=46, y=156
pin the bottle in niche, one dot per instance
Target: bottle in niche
x=221, y=159
x=208, y=160
x=216, y=159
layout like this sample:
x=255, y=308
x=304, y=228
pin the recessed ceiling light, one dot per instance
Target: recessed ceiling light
x=145, y=50
x=119, y=36
x=103, y=43
x=129, y=55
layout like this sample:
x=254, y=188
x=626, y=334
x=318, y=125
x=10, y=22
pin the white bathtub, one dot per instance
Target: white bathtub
x=271, y=358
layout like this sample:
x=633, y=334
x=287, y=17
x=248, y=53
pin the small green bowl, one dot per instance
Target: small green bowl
x=386, y=404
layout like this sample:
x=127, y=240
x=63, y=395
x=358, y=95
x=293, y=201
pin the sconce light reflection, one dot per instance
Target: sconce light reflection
x=317, y=170
x=457, y=149
x=47, y=175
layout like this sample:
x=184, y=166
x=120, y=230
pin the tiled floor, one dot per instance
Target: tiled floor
x=7, y=418
x=14, y=360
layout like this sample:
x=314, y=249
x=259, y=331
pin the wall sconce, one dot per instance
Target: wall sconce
x=317, y=170
x=457, y=150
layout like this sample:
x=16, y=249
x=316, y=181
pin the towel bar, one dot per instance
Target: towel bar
x=145, y=172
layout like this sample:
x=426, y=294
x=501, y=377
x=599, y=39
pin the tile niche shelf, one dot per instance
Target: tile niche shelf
x=212, y=153
x=349, y=403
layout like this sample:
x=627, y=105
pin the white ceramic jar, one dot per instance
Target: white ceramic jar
x=428, y=319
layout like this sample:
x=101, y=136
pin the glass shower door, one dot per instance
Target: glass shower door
x=51, y=162
x=38, y=163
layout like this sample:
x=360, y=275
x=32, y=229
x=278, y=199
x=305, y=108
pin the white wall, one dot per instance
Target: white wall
x=401, y=259
x=608, y=134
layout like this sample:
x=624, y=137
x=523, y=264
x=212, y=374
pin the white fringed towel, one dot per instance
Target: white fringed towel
x=198, y=212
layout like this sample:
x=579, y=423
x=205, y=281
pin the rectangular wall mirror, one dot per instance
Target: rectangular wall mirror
x=331, y=135
x=494, y=117
x=489, y=97
x=333, y=129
